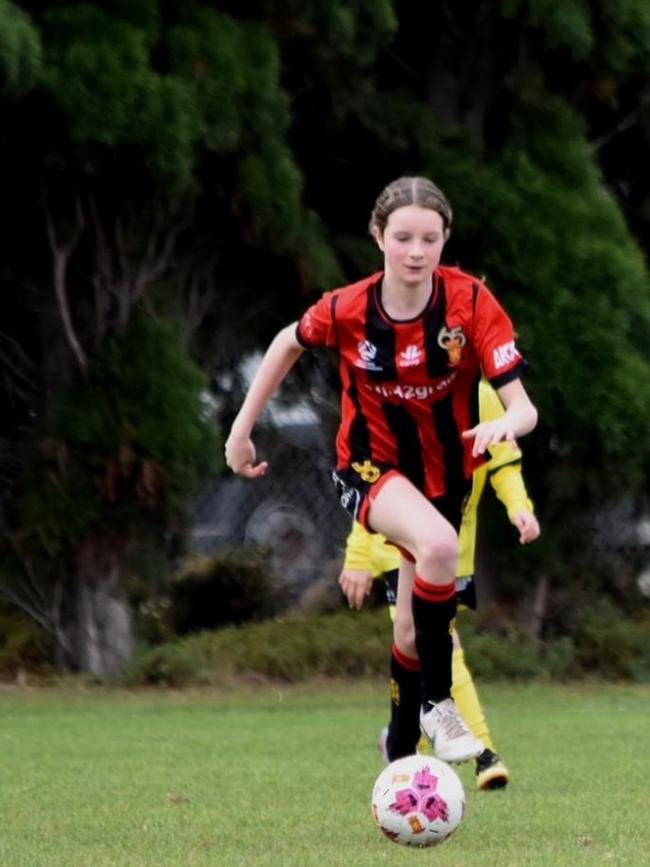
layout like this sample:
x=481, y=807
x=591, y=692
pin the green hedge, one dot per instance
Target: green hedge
x=357, y=644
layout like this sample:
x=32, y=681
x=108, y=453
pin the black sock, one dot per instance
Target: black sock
x=434, y=608
x=405, y=701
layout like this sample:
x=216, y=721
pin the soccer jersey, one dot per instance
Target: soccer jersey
x=365, y=550
x=410, y=387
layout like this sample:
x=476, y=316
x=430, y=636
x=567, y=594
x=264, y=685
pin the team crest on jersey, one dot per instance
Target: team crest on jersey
x=452, y=341
x=410, y=356
x=367, y=354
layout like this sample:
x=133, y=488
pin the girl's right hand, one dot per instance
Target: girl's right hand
x=241, y=457
x=356, y=585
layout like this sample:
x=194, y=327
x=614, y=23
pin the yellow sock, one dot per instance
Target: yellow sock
x=464, y=694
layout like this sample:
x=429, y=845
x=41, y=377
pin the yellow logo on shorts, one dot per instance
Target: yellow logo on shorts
x=394, y=692
x=368, y=472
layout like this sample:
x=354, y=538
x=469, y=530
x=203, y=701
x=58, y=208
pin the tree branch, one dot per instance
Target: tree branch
x=61, y=253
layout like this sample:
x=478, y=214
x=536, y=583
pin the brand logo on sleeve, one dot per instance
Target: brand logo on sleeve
x=505, y=354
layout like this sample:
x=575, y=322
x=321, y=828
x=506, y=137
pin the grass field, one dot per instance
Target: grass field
x=274, y=776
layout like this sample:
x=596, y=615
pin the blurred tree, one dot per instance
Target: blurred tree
x=138, y=125
x=113, y=467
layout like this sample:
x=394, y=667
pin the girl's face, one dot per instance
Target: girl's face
x=412, y=244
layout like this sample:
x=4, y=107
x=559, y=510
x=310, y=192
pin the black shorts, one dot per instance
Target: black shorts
x=358, y=484
x=465, y=589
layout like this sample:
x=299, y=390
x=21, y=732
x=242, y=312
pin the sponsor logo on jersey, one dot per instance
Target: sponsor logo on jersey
x=367, y=354
x=452, y=341
x=410, y=356
x=412, y=392
x=505, y=354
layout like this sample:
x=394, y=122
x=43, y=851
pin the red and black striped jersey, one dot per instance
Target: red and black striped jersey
x=409, y=388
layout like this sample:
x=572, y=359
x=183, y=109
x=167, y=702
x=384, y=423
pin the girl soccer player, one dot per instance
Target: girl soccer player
x=368, y=557
x=412, y=342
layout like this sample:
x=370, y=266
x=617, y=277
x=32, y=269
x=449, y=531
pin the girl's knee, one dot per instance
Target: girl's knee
x=438, y=554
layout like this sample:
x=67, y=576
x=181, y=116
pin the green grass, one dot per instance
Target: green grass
x=272, y=776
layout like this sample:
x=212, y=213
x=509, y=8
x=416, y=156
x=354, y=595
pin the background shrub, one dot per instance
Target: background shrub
x=357, y=644
x=22, y=645
x=169, y=665
x=232, y=587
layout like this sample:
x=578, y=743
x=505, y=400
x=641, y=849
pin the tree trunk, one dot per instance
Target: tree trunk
x=534, y=617
x=102, y=626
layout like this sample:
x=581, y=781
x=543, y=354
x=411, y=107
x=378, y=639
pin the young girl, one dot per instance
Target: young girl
x=412, y=341
x=368, y=557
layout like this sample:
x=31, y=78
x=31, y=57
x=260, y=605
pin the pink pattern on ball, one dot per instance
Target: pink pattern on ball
x=422, y=798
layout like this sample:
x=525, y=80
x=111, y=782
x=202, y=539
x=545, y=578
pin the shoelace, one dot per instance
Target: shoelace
x=452, y=723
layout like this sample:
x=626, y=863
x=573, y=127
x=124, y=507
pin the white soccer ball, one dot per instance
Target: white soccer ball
x=418, y=801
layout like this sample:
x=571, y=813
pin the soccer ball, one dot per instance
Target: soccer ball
x=418, y=801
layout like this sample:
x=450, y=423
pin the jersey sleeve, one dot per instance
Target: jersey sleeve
x=317, y=326
x=494, y=341
x=509, y=486
x=504, y=464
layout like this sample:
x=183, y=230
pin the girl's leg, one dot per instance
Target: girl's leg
x=426, y=605
x=405, y=676
x=463, y=691
x=426, y=598
x=491, y=773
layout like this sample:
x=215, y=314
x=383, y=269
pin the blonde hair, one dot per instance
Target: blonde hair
x=410, y=191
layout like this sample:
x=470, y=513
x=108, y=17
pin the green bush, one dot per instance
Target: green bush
x=510, y=655
x=22, y=646
x=357, y=644
x=610, y=646
x=296, y=647
x=233, y=587
x=169, y=665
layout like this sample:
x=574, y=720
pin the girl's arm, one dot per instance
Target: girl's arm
x=519, y=418
x=280, y=357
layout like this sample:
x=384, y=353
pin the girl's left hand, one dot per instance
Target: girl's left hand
x=489, y=433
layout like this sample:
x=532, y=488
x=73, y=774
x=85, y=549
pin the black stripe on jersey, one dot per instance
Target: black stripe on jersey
x=434, y=322
x=359, y=435
x=475, y=288
x=409, y=449
x=451, y=444
x=381, y=335
x=333, y=303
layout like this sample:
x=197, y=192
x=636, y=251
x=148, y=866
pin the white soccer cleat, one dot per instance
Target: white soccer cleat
x=450, y=738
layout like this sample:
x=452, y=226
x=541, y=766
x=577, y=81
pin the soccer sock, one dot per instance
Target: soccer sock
x=405, y=700
x=464, y=694
x=434, y=607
